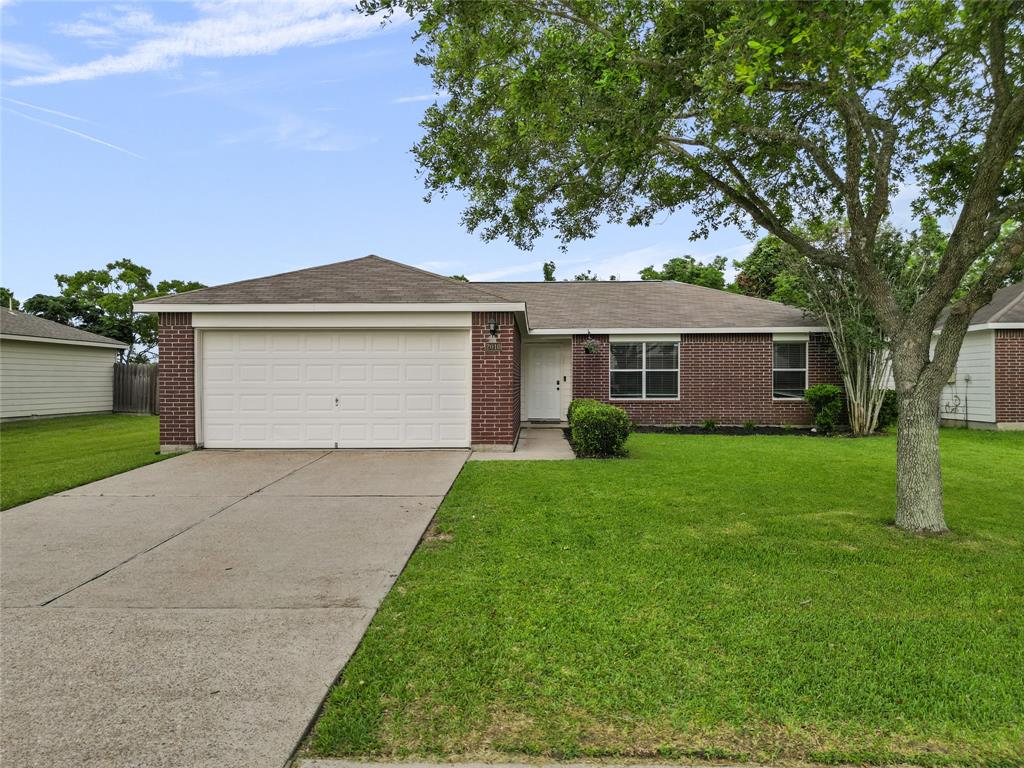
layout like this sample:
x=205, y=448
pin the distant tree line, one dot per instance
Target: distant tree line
x=100, y=301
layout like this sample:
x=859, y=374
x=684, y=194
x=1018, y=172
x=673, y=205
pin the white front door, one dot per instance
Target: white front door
x=336, y=389
x=544, y=381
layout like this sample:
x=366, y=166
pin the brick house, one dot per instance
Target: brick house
x=373, y=353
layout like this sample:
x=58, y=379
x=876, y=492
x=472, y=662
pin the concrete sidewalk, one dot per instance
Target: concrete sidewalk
x=535, y=444
x=194, y=612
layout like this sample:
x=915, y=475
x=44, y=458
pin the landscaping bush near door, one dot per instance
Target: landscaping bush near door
x=826, y=401
x=598, y=430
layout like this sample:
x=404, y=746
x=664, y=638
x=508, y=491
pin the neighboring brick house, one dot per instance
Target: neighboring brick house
x=373, y=353
x=986, y=390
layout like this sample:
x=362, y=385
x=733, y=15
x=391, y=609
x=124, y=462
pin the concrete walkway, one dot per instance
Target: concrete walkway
x=194, y=612
x=535, y=444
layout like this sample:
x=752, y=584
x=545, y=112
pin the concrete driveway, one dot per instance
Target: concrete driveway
x=195, y=611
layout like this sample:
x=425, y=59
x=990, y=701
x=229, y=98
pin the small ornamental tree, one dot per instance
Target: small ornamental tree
x=563, y=114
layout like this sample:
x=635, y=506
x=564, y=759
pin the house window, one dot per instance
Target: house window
x=789, y=370
x=644, y=370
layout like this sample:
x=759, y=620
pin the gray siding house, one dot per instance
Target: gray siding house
x=50, y=369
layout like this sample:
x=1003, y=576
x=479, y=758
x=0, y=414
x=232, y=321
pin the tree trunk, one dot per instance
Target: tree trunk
x=918, y=469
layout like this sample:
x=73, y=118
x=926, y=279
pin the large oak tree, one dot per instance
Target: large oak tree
x=562, y=114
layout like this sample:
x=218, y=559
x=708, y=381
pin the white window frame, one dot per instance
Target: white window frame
x=805, y=369
x=642, y=370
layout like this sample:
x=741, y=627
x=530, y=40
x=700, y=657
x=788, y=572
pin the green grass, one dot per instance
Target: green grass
x=743, y=598
x=43, y=456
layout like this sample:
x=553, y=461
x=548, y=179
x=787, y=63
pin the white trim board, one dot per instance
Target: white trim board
x=648, y=332
x=993, y=327
x=301, y=320
x=153, y=307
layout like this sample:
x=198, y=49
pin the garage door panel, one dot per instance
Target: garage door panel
x=420, y=372
x=293, y=389
x=252, y=404
x=452, y=403
x=320, y=404
x=253, y=342
x=452, y=372
x=319, y=373
x=419, y=404
x=318, y=343
x=350, y=372
x=454, y=343
x=386, y=405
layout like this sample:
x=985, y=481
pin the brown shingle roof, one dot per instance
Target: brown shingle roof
x=14, y=323
x=558, y=305
x=645, y=304
x=1007, y=306
x=369, y=280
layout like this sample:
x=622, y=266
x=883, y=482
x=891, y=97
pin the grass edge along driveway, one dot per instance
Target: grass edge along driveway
x=39, y=457
x=742, y=598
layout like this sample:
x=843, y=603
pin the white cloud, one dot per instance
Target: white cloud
x=73, y=132
x=295, y=132
x=106, y=25
x=418, y=98
x=26, y=58
x=222, y=29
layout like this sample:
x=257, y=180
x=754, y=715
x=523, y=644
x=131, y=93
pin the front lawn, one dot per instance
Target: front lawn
x=43, y=456
x=743, y=598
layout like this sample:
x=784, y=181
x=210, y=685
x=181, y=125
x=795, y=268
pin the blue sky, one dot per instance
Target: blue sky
x=217, y=141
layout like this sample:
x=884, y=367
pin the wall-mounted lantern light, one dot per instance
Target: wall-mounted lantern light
x=492, y=329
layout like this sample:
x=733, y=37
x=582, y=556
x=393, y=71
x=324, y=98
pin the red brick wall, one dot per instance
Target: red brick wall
x=495, y=381
x=176, y=384
x=1009, y=376
x=725, y=377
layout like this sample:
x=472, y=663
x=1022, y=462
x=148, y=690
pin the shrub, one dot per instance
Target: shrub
x=749, y=424
x=710, y=425
x=579, y=403
x=598, y=429
x=889, y=411
x=826, y=401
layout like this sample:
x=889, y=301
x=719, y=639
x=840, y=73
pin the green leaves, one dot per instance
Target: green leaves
x=687, y=269
x=101, y=301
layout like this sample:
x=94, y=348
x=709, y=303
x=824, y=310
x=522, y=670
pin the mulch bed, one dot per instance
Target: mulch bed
x=695, y=430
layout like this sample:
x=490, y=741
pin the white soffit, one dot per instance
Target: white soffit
x=790, y=337
x=256, y=320
x=644, y=337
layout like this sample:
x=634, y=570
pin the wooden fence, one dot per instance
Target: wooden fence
x=135, y=388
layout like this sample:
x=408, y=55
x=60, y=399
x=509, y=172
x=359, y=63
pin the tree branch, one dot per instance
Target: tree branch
x=757, y=210
x=947, y=347
x=973, y=233
x=817, y=152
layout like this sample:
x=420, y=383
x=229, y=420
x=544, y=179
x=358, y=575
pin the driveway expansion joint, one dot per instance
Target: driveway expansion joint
x=187, y=528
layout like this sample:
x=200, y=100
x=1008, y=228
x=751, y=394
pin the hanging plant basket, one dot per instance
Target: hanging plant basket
x=590, y=346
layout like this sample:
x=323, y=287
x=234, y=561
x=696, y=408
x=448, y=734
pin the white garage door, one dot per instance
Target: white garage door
x=336, y=389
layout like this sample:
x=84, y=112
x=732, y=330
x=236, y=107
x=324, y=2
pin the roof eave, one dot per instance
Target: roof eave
x=688, y=330
x=991, y=327
x=74, y=342
x=150, y=307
